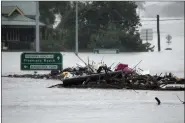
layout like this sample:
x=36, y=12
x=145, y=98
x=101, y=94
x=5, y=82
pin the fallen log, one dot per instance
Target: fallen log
x=102, y=86
x=94, y=77
x=56, y=86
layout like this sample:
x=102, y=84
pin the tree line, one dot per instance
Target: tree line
x=102, y=24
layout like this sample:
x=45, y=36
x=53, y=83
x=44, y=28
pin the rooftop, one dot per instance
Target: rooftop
x=28, y=7
x=24, y=9
x=19, y=20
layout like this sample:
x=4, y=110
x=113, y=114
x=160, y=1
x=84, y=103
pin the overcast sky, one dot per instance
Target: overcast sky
x=164, y=9
x=173, y=28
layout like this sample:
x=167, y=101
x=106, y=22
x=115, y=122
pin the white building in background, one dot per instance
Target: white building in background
x=18, y=24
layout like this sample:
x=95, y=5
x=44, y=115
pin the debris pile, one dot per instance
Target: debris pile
x=99, y=75
x=120, y=79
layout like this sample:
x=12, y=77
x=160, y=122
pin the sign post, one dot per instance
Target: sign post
x=169, y=38
x=37, y=27
x=41, y=61
x=146, y=34
x=76, y=27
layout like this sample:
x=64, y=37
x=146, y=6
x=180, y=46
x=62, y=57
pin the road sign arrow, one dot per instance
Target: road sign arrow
x=41, y=61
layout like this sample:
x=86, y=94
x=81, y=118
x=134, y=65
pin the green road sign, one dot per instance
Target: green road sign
x=41, y=61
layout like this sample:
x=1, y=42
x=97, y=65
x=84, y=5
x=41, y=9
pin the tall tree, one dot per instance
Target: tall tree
x=96, y=22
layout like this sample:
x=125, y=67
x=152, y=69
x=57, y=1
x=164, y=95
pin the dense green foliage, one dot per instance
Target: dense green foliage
x=105, y=24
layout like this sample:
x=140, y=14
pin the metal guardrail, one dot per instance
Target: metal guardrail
x=106, y=51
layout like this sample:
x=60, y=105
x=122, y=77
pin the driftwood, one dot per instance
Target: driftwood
x=109, y=79
x=35, y=76
x=180, y=100
x=94, y=77
x=129, y=81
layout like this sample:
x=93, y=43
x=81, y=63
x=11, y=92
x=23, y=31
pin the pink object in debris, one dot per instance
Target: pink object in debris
x=121, y=67
x=124, y=68
x=127, y=70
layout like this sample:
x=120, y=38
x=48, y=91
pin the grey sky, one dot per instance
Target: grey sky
x=164, y=9
x=173, y=28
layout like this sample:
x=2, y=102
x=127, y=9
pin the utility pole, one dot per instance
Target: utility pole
x=147, y=36
x=76, y=27
x=37, y=27
x=158, y=34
